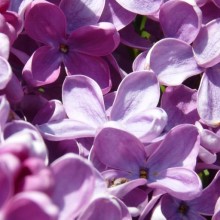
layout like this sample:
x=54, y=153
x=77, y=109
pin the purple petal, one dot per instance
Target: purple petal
x=206, y=45
x=137, y=92
x=146, y=125
x=116, y=14
x=45, y=22
x=83, y=100
x=95, y=40
x=171, y=154
x=181, y=20
x=43, y=67
x=140, y=62
x=179, y=182
x=180, y=104
x=119, y=150
x=209, y=12
x=172, y=61
x=31, y=205
x=208, y=96
x=81, y=13
x=66, y=129
x=4, y=111
x=143, y=7
x=4, y=46
x=96, y=68
x=100, y=206
x=77, y=171
x=5, y=72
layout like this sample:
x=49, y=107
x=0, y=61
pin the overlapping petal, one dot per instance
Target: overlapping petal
x=137, y=92
x=172, y=61
x=51, y=22
x=43, y=67
x=83, y=100
x=5, y=72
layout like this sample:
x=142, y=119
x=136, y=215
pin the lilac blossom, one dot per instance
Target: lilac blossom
x=88, y=43
x=124, y=154
x=134, y=108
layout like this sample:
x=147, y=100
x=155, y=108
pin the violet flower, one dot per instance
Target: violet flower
x=85, y=44
x=134, y=108
x=169, y=168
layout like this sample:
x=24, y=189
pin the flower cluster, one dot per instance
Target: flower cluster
x=109, y=109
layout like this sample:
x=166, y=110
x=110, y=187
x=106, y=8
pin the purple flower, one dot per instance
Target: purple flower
x=134, y=108
x=169, y=168
x=84, y=45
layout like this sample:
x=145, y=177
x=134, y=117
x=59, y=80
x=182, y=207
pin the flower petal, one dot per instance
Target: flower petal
x=43, y=67
x=172, y=61
x=83, y=100
x=45, y=22
x=137, y=92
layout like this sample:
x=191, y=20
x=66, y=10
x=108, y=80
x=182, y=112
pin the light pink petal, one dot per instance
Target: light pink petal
x=30, y=205
x=208, y=97
x=43, y=67
x=137, y=92
x=179, y=19
x=83, y=100
x=172, y=61
x=81, y=13
x=66, y=129
x=206, y=46
x=74, y=186
x=45, y=22
x=143, y=7
x=4, y=111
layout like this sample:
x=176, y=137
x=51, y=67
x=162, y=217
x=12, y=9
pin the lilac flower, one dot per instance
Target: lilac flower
x=134, y=108
x=169, y=168
x=86, y=44
x=173, y=208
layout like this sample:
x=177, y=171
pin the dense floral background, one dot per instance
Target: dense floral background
x=110, y=109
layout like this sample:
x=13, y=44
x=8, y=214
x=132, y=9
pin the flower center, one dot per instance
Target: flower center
x=64, y=48
x=183, y=208
x=116, y=182
x=143, y=173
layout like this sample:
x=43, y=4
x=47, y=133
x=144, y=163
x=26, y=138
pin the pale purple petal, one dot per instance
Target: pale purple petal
x=216, y=215
x=172, y=61
x=95, y=40
x=4, y=111
x=5, y=72
x=66, y=129
x=53, y=110
x=181, y=20
x=180, y=104
x=143, y=7
x=116, y=14
x=4, y=46
x=94, y=67
x=206, y=46
x=140, y=62
x=45, y=22
x=43, y=67
x=208, y=96
x=30, y=205
x=146, y=125
x=119, y=150
x=179, y=182
x=171, y=154
x=137, y=92
x=83, y=100
x=72, y=198
x=81, y=13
